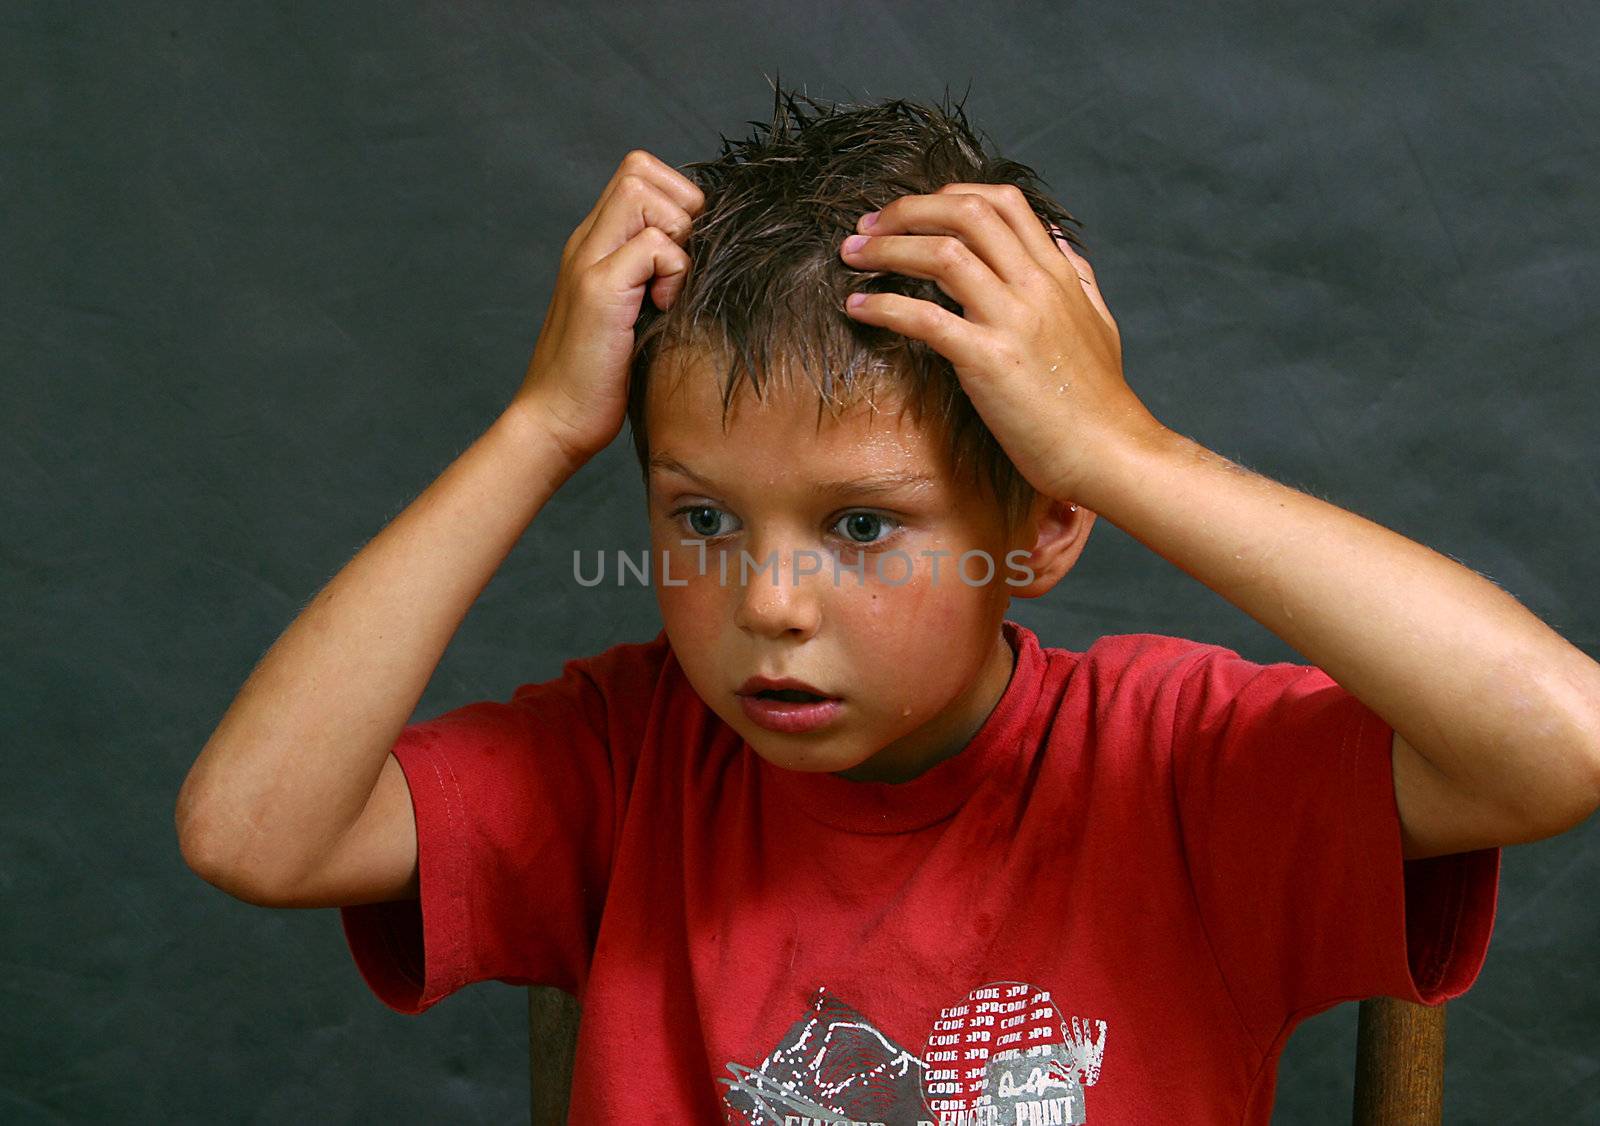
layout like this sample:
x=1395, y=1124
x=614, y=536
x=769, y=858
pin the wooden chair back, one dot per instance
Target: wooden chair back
x=1399, y=1063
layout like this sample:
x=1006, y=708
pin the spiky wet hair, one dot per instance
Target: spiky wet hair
x=766, y=279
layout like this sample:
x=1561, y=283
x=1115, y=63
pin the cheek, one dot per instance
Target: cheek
x=695, y=622
x=918, y=621
x=697, y=607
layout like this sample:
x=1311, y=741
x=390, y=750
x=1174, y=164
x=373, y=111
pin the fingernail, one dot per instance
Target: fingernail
x=854, y=243
x=869, y=220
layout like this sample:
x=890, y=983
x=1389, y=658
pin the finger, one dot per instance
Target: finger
x=669, y=280
x=1085, y=273
x=953, y=337
x=678, y=187
x=689, y=194
x=674, y=184
x=636, y=203
x=644, y=166
x=968, y=217
x=945, y=260
x=648, y=254
x=1014, y=208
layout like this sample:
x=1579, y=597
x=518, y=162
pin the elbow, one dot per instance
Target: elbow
x=209, y=855
x=1573, y=800
x=204, y=855
x=197, y=844
x=1585, y=766
x=202, y=859
x=1589, y=806
x=214, y=866
x=1559, y=771
x=1582, y=702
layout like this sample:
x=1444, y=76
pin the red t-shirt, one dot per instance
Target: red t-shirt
x=1113, y=905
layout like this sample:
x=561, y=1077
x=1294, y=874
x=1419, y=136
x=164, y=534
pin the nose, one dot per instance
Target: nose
x=780, y=596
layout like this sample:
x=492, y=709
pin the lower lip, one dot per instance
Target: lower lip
x=790, y=718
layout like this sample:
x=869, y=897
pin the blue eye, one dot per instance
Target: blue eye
x=704, y=520
x=864, y=527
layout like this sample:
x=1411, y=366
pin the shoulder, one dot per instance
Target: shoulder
x=1148, y=651
x=623, y=668
x=1162, y=682
x=621, y=692
x=614, y=687
x=626, y=664
x=1119, y=680
x=1145, y=664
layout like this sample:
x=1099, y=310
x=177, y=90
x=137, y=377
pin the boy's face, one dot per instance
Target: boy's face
x=911, y=651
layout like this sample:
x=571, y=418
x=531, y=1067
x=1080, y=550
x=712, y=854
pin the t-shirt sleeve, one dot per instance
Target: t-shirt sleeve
x=516, y=804
x=1285, y=793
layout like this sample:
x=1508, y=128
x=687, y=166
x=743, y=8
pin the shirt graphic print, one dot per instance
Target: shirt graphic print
x=1002, y=1054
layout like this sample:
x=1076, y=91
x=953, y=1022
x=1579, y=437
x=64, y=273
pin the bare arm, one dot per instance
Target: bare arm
x=1497, y=739
x=297, y=755
x=295, y=799
x=1496, y=716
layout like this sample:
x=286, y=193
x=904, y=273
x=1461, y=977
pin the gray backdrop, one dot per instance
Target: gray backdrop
x=268, y=270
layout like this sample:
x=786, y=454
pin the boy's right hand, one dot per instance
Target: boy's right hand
x=577, y=382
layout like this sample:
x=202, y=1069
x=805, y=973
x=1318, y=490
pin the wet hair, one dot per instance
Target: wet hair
x=766, y=279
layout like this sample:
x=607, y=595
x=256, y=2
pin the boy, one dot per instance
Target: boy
x=843, y=843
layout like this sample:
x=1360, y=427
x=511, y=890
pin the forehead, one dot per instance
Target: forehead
x=786, y=435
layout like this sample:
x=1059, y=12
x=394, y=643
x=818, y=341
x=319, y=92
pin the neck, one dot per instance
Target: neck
x=950, y=733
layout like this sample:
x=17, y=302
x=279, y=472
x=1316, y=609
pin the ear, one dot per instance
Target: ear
x=1053, y=536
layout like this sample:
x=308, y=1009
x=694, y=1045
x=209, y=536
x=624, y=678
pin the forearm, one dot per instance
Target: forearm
x=298, y=752
x=1495, y=699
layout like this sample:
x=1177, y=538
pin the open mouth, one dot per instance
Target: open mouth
x=791, y=711
x=790, y=696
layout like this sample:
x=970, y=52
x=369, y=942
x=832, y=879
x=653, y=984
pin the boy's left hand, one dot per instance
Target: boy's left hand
x=1035, y=348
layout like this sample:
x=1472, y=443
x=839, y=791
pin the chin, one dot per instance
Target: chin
x=797, y=757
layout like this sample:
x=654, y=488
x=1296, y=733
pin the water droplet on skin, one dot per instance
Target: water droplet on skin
x=907, y=711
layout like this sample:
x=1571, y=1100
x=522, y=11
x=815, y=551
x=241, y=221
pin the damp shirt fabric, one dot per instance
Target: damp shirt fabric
x=1114, y=905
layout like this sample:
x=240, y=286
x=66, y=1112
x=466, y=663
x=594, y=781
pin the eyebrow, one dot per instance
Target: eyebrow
x=871, y=484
